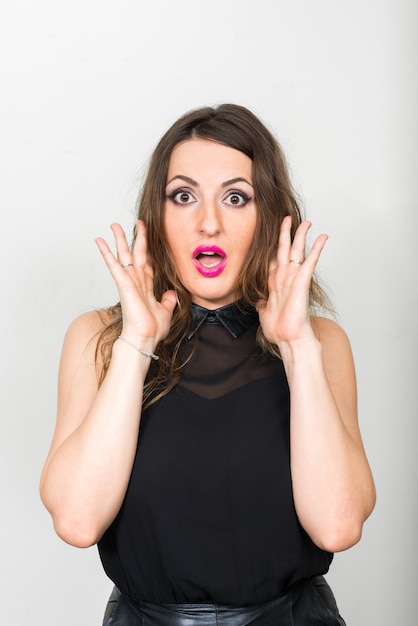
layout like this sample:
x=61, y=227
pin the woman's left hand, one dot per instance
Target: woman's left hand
x=284, y=317
x=333, y=489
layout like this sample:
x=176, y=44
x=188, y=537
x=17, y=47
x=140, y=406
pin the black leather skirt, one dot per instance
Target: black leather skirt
x=309, y=603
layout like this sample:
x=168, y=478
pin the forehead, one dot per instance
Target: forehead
x=201, y=157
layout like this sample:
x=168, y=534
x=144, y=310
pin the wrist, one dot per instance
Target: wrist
x=143, y=351
x=127, y=358
x=144, y=346
x=301, y=349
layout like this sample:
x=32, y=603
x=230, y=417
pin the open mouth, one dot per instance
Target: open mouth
x=209, y=260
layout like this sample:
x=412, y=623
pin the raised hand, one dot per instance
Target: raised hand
x=284, y=317
x=143, y=316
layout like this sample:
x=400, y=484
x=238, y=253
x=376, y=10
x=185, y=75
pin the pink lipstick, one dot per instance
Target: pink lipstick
x=209, y=260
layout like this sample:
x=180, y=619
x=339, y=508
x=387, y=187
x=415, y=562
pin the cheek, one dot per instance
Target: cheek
x=170, y=229
x=175, y=238
x=248, y=234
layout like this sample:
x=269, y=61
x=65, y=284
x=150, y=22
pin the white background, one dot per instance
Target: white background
x=87, y=88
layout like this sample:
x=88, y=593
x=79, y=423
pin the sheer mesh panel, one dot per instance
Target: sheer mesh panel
x=220, y=363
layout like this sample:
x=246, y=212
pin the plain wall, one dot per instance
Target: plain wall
x=87, y=88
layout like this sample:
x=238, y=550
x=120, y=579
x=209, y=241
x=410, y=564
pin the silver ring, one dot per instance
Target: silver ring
x=128, y=265
x=295, y=261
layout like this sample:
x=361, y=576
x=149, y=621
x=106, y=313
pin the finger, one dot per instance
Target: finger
x=108, y=257
x=314, y=253
x=140, y=246
x=285, y=240
x=117, y=269
x=261, y=304
x=260, y=307
x=123, y=252
x=169, y=300
x=142, y=258
x=297, y=250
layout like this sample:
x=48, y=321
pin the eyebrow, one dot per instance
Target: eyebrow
x=238, y=179
x=186, y=179
x=193, y=182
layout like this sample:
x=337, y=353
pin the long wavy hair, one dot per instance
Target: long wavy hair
x=237, y=127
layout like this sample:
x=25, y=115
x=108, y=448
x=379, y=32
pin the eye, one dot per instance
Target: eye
x=237, y=198
x=181, y=196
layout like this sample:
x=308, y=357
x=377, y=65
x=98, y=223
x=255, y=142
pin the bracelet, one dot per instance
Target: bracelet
x=141, y=350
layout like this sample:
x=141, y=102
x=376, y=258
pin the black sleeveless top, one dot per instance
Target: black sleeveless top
x=208, y=514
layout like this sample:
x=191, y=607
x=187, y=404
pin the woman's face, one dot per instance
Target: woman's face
x=210, y=218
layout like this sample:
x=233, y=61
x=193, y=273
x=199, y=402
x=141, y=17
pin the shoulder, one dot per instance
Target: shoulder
x=336, y=349
x=88, y=326
x=82, y=338
x=337, y=358
x=328, y=332
x=80, y=360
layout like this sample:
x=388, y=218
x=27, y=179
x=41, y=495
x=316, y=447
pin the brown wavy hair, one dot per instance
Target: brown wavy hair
x=237, y=127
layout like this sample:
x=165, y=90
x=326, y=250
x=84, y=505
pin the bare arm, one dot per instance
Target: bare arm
x=332, y=483
x=88, y=467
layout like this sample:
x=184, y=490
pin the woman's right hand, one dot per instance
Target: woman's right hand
x=89, y=465
x=144, y=318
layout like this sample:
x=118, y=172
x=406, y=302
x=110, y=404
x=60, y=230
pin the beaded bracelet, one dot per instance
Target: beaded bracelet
x=141, y=350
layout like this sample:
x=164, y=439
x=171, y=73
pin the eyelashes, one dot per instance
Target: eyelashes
x=233, y=197
x=181, y=196
x=237, y=198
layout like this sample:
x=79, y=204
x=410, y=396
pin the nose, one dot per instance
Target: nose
x=209, y=218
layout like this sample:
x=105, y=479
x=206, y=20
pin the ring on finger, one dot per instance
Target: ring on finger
x=295, y=261
x=127, y=264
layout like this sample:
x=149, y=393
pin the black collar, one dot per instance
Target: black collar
x=235, y=317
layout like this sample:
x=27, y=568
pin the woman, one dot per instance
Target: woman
x=207, y=436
